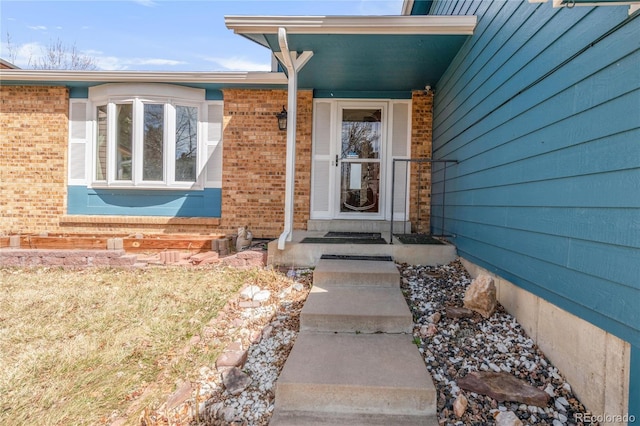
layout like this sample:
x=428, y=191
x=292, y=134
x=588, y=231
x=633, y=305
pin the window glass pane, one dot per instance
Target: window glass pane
x=361, y=133
x=124, y=141
x=360, y=187
x=101, y=144
x=153, y=147
x=186, y=143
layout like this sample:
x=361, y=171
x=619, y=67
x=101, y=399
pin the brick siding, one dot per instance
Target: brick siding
x=33, y=165
x=421, y=138
x=33, y=157
x=253, y=176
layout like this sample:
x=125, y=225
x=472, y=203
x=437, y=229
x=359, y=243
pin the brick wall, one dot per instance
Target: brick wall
x=33, y=153
x=33, y=166
x=421, y=134
x=253, y=176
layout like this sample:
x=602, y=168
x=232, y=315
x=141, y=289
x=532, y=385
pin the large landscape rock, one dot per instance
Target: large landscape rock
x=235, y=381
x=457, y=312
x=503, y=387
x=234, y=355
x=481, y=296
x=180, y=395
x=460, y=405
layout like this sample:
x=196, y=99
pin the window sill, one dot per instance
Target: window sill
x=137, y=220
x=103, y=186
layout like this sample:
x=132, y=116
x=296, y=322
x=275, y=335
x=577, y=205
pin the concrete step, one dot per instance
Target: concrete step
x=303, y=418
x=355, y=374
x=356, y=309
x=355, y=272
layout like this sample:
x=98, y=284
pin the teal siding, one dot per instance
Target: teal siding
x=541, y=108
x=139, y=202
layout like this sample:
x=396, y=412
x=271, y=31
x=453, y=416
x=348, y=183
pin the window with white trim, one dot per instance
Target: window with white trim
x=153, y=136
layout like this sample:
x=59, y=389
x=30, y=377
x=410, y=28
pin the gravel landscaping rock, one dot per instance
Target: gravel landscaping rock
x=453, y=341
x=465, y=344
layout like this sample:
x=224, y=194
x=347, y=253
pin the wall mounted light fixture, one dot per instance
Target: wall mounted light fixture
x=282, y=119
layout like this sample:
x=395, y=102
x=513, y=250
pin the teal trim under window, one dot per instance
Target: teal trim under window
x=144, y=202
x=345, y=94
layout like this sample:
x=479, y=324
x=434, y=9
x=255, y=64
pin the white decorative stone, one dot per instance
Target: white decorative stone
x=507, y=418
x=549, y=390
x=249, y=292
x=262, y=296
x=228, y=414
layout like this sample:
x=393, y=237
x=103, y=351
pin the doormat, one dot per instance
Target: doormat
x=356, y=257
x=367, y=235
x=323, y=240
x=417, y=239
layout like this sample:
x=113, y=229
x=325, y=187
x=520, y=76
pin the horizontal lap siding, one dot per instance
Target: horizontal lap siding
x=547, y=189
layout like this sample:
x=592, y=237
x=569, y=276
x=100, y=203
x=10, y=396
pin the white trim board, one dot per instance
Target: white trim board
x=409, y=25
x=252, y=77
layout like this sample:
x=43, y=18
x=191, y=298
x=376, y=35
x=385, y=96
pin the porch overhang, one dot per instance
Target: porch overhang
x=374, y=54
x=364, y=53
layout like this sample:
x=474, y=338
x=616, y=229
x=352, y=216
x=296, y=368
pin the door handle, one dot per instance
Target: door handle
x=336, y=160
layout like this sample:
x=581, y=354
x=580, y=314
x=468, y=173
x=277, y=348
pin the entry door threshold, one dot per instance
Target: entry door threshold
x=356, y=257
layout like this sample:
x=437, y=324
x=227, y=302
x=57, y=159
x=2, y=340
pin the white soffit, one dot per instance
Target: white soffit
x=396, y=25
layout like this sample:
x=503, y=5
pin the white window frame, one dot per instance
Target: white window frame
x=140, y=94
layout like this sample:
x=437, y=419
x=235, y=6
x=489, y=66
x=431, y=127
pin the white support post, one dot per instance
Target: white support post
x=293, y=65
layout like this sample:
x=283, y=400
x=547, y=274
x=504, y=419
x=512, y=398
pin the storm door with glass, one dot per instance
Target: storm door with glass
x=358, y=160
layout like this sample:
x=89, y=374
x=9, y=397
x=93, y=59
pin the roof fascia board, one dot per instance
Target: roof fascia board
x=256, y=77
x=8, y=64
x=395, y=25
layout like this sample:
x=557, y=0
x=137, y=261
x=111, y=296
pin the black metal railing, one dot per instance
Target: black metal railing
x=419, y=180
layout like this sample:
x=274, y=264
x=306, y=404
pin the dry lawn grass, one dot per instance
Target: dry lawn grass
x=76, y=347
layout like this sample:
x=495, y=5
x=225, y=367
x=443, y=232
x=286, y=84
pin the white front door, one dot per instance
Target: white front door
x=354, y=144
x=359, y=161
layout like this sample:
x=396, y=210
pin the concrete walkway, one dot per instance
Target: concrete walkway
x=354, y=362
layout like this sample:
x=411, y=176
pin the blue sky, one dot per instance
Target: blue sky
x=155, y=34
